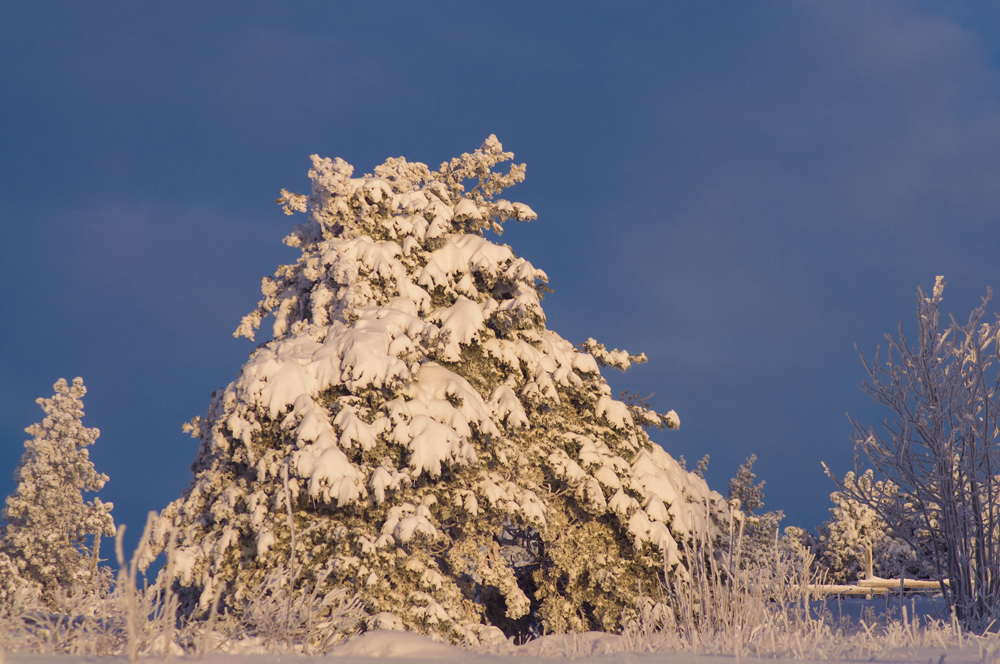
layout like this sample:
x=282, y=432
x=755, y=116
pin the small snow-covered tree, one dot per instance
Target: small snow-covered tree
x=855, y=530
x=742, y=488
x=52, y=535
x=415, y=434
x=759, y=530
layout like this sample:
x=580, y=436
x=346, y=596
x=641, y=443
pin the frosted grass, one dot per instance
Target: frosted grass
x=723, y=611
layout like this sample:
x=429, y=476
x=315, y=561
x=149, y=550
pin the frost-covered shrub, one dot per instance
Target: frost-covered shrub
x=414, y=434
x=51, y=538
x=939, y=447
x=280, y=618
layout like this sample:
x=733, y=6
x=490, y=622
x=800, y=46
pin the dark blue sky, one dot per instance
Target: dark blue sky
x=743, y=191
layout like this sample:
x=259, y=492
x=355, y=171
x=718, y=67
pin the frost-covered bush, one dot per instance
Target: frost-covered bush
x=938, y=451
x=278, y=618
x=414, y=434
x=52, y=535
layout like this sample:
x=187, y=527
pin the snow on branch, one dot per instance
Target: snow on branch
x=619, y=359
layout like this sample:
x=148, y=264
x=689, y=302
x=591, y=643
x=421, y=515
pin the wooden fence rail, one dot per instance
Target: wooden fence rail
x=874, y=587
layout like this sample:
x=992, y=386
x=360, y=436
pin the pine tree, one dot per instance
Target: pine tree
x=52, y=534
x=742, y=488
x=856, y=529
x=415, y=434
x=760, y=531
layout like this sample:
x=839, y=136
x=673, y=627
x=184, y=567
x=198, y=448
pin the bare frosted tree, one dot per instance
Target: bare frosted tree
x=939, y=447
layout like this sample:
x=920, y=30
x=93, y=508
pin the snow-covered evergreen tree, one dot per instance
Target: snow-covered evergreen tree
x=414, y=433
x=855, y=529
x=759, y=531
x=52, y=534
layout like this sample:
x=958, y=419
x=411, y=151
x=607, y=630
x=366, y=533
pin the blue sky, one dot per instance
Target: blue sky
x=743, y=191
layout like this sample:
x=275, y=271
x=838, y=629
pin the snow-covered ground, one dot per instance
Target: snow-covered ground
x=588, y=647
x=404, y=648
x=877, y=635
x=852, y=629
